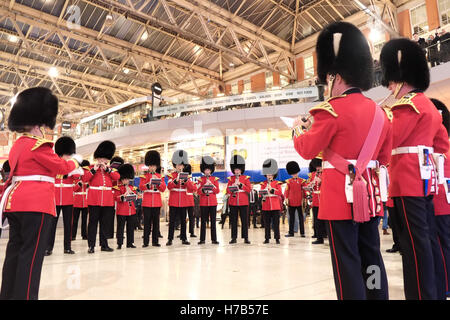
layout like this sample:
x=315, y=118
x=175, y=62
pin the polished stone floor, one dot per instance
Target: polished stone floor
x=295, y=269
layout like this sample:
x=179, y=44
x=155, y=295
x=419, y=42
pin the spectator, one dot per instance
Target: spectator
x=377, y=73
x=320, y=88
x=420, y=41
x=433, y=53
x=445, y=45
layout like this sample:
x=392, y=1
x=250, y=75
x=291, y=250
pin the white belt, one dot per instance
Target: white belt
x=189, y=194
x=33, y=178
x=372, y=164
x=80, y=193
x=316, y=192
x=240, y=191
x=404, y=150
x=100, y=188
x=63, y=185
x=179, y=190
x=150, y=191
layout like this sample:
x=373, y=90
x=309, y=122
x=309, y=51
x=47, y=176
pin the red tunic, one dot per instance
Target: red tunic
x=272, y=202
x=124, y=208
x=294, y=191
x=80, y=192
x=35, y=156
x=64, y=190
x=100, y=187
x=208, y=198
x=239, y=198
x=441, y=205
x=178, y=196
x=416, y=122
x=342, y=124
x=315, y=184
x=152, y=197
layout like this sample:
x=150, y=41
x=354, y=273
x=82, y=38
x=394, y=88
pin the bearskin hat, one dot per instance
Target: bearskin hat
x=126, y=171
x=237, y=162
x=33, y=107
x=207, y=163
x=292, y=167
x=403, y=60
x=180, y=157
x=342, y=49
x=152, y=158
x=444, y=112
x=6, y=167
x=314, y=164
x=117, y=159
x=270, y=166
x=85, y=163
x=187, y=168
x=105, y=149
x=65, y=146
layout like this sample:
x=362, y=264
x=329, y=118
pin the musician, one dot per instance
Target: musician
x=101, y=177
x=270, y=193
x=341, y=126
x=152, y=184
x=5, y=171
x=114, y=163
x=29, y=200
x=238, y=189
x=125, y=194
x=190, y=205
x=314, y=184
x=178, y=200
x=417, y=134
x=80, y=207
x=208, y=188
x=294, y=197
x=64, y=148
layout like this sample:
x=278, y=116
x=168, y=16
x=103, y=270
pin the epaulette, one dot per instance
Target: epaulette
x=229, y=178
x=217, y=179
x=116, y=187
x=406, y=100
x=114, y=170
x=248, y=177
x=86, y=168
x=142, y=176
x=389, y=113
x=280, y=182
x=326, y=106
x=134, y=188
x=39, y=142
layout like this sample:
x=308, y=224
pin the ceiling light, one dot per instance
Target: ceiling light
x=231, y=64
x=53, y=72
x=144, y=36
x=12, y=38
x=375, y=35
x=126, y=70
x=197, y=50
x=220, y=94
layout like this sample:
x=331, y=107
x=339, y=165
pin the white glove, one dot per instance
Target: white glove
x=77, y=157
x=78, y=171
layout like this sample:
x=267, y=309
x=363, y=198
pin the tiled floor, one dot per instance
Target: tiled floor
x=295, y=269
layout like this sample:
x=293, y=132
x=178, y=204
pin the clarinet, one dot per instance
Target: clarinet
x=236, y=176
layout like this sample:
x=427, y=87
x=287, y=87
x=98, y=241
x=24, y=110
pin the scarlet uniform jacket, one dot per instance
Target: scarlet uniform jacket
x=80, y=192
x=342, y=124
x=152, y=197
x=441, y=205
x=64, y=190
x=124, y=208
x=31, y=155
x=294, y=191
x=416, y=122
x=209, y=198
x=239, y=198
x=272, y=202
x=104, y=180
x=178, y=196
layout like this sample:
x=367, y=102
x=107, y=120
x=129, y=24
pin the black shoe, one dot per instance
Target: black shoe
x=69, y=251
x=201, y=242
x=119, y=246
x=392, y=250
x=131, y=246
x=185, y=242
x=156, y=245
x=215, y=242
x=246, y=241
x=107, y=249
x=48, y=252
x=193, y=236
x=160, y=236
x=232, y=241
x=91, y=250
x=73, y=239
x=169, y=243
x=179, y=236
x=314, y=236
x=302, y=235
x=278, y=241
x=266, y=241
x=289, y=235
x=318, y=241
x=144, y=245
x=85, y=238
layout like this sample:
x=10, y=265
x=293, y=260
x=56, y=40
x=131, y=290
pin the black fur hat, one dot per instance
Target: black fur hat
x=65, y=146
x=207, y=163
x=314, y=163
x=152, y=158
x=105, y=149
x=187, y=168
x=403, y=60
x=85, y=163
x=6, y=167
x=117, y=159
x=34, y=107
x=342, y=49
x=180, y=157
x=126, y=171
x=292, y=167
x=444, y=113
x=237, y=162
x=270, y=166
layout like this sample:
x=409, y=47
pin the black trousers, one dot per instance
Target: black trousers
x=423, y=269
x=110, y=217
x=190, y=212
x=208, y=213
x=130, y=221
x=358, y=266
x=292, y=220
x=318, y=225
x=252, y=211
x=28, y=240
x=151, y=224
x=242, y=211
x=272, y=218
x=76, y=216
x=67, y=212
x=393, y=223
x=443, y=230
x=99, y=216
x=177, y=213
